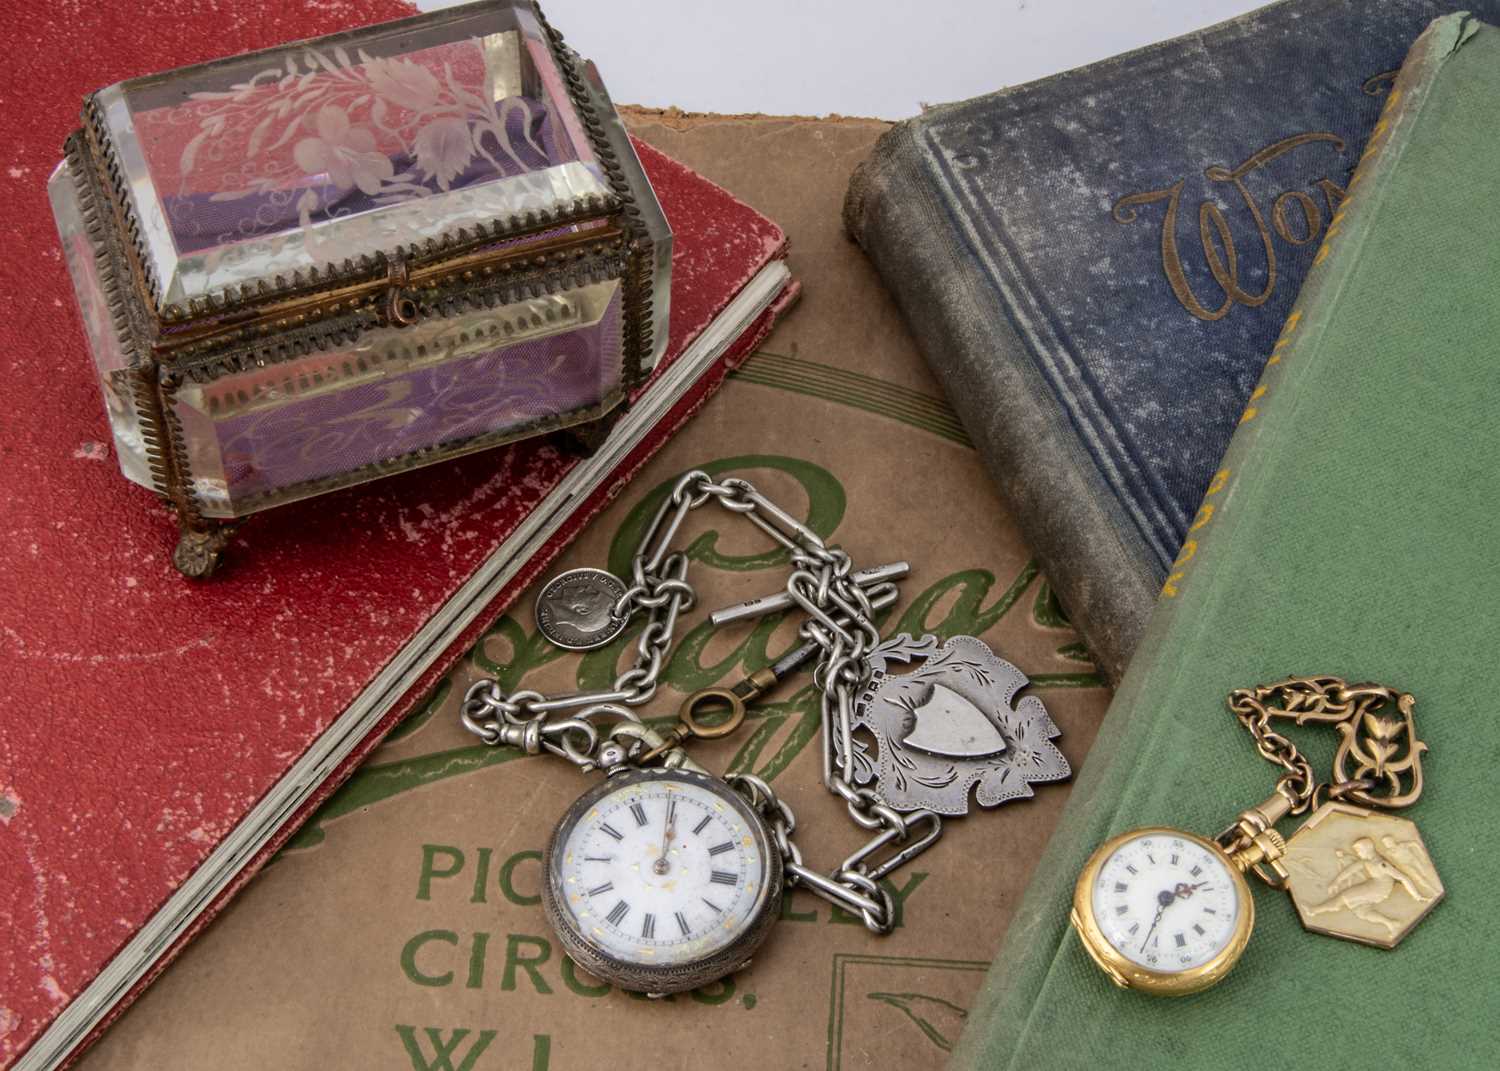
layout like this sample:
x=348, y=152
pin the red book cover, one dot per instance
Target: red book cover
x=159, y=738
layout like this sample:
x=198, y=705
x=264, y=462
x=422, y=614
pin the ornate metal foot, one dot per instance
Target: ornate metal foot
x=199, y=550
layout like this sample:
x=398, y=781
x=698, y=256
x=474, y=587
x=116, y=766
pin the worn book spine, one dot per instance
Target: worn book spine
x=1088, y=549
x=1148, y=763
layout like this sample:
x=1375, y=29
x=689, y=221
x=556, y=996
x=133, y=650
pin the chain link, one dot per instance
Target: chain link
x=1383, y=751
x=840, y=620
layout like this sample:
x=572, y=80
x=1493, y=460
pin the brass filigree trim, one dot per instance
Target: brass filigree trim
x=370, y=265
x=639, y=303
x=312, y=331
x=93, y=204
x=582, y=256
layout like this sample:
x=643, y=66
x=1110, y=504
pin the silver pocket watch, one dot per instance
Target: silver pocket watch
x=664, y=877
x=661, y=880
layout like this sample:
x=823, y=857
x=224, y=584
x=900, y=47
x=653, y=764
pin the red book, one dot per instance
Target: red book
x=159, y=738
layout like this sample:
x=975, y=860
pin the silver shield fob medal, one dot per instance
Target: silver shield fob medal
x=666, y=877
x=948, y=727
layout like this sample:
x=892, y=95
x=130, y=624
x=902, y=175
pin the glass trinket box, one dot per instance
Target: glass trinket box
x=312, y=266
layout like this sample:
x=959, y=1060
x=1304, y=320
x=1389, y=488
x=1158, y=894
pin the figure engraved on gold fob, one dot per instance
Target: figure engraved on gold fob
x=1169, y=912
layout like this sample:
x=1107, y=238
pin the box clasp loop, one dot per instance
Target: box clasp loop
x=400, y=308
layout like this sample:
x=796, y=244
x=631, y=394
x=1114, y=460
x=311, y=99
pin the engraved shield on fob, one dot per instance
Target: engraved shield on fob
x=948, y=726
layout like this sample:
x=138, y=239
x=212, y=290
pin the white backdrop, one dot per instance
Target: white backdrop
x=852, y=57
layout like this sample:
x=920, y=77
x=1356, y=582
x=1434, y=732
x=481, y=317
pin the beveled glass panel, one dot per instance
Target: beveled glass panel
x=288, y=430
x=98, y=327
x=305, y=155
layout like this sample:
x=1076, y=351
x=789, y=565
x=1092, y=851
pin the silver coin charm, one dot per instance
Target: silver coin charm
x=950, y=726
x=575, y=610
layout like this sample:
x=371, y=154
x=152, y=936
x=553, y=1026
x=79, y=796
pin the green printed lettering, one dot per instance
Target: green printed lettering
x=507, y=878
x=430, y=852
x=788, y=915
x=966, y=617
x=899, y=895
x=1046, y=610
x=572, y=981
x=825, y=509
x=443, y=1052
x=476, y=960
x=685, y=668
x=481, y=877
x=803, y=710
x=409, y=957
x=529, y=964
x=525, y=652
x=541, y=1052
x=714, y=992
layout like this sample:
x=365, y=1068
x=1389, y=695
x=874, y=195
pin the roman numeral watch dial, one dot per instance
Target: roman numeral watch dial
x=661, y=880
x=1163, y=911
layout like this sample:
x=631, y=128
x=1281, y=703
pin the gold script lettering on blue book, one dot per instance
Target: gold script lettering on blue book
x=1294, y=216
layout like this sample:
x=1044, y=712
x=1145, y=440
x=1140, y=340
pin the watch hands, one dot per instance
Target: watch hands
x=668, y=829
x=1164, y=900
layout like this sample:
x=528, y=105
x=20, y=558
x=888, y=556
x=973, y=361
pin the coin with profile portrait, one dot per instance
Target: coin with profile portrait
x=575, y=610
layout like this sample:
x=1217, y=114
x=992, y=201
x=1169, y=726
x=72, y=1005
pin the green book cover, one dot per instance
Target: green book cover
x=1349, y=532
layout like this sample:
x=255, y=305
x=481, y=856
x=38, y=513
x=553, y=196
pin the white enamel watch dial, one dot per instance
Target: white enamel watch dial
x=661, y=880
x=1163, y=911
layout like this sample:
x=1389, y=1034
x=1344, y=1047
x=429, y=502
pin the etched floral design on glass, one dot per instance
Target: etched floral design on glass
x=271, y=435
x=302, y=157
x=307, y=164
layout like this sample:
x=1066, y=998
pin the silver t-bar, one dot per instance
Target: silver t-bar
x=781, y=600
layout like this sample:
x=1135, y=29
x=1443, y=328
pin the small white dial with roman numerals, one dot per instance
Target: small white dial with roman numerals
x=661, y=872
x=1166, y=902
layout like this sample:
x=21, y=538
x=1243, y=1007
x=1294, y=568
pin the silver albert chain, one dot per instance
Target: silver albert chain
x=665, y=877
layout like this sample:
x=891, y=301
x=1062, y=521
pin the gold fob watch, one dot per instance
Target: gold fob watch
x=1163, y=911
x=1169, y=913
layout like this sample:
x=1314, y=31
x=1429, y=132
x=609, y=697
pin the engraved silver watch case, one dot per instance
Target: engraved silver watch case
x=577, y=937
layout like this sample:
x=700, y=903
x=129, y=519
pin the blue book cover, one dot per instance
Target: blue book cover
x=1097, y=266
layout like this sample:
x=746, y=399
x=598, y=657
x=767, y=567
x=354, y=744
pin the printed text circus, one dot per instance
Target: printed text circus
x=440, y=957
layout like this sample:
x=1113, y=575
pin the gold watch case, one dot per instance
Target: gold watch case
x=1128, y=974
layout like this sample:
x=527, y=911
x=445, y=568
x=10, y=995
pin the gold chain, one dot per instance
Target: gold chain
x=1378, y=762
